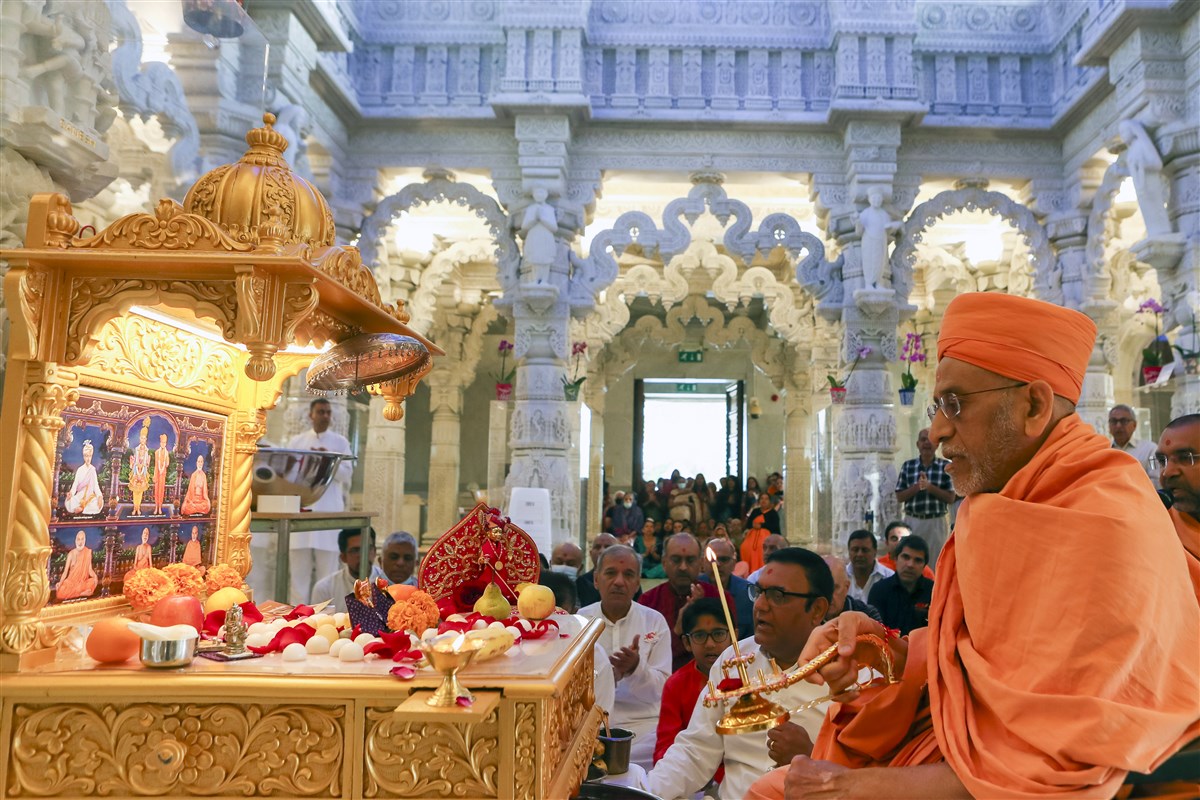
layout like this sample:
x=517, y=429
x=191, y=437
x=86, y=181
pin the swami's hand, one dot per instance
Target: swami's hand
x=814, y=780
x=786, y=741
x=843, y=630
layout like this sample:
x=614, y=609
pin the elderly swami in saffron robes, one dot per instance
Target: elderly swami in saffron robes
x=1061, y=651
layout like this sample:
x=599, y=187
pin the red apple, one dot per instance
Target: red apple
x=178, y=610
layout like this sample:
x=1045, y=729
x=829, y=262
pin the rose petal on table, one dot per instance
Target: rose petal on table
x=300, y=612
x=299, y=634
x=214, y=620
x=404, y=673
x=465, y=702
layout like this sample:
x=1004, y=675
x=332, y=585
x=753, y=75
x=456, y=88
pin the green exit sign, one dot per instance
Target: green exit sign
x=691, y=356
x=685, y=388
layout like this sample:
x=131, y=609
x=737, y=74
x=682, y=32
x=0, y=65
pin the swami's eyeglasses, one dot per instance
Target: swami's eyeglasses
x=950, y=406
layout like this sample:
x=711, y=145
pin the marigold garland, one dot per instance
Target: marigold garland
x=221, y=576
x=417, y=613
x=186, y=579
x=147, y=586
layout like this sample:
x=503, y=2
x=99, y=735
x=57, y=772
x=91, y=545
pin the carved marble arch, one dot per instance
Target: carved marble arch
x=1047, y=273
x=422, y=304
x=441, y=187
x=1112, y=272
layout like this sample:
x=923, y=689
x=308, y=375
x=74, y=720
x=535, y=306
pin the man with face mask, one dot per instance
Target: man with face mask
x=627, y=517
x=566, y=558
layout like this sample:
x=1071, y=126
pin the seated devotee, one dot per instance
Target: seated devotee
x=585, y=585
x=903, y=599
x=737, y=588
x=682, y=561
x=864, y=569
x=1121, y=425
x=892, y=535
x=842, y=601
x=706, y=635
x=771, y=544
x=636, y=639
x=649, y=547
x=398, y=561
x=791, y=599
x=336, y=586
x=565, y=596
x=1115, y=684
x=566, y=558
x=79, y=577
x=1177, y=461
x=196, y=501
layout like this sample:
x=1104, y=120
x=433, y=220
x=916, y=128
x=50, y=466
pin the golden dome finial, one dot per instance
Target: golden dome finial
x=266, y=144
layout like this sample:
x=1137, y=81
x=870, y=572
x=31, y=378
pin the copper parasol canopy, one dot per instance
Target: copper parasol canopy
x=385, y=364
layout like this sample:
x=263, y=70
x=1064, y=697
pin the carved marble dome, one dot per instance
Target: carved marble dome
x=260, y=188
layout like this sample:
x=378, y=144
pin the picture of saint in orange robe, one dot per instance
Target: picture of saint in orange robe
x=196, y=501
x=142, y=555
x=162, y=459
x=191, y=553
x=79, y=579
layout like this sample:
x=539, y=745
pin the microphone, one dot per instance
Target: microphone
x=1167, y=499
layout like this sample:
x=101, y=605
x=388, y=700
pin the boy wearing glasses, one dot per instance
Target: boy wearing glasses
x=1177, y=463
x=705, y=635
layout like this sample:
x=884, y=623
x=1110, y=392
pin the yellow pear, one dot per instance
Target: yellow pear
x=493, y=604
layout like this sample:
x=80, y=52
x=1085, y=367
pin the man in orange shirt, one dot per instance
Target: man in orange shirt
x=1178, y=461
x=1032, y=678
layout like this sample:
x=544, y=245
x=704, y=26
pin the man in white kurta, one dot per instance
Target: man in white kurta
x=791, y=599
x=314, y=554
x=638, y=642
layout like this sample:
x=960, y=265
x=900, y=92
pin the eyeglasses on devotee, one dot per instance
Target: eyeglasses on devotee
x=776, y=596
x=718, y=635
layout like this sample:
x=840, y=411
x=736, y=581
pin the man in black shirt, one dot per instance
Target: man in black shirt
x=903, y=599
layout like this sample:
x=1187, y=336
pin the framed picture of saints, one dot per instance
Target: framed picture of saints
x=138, y=483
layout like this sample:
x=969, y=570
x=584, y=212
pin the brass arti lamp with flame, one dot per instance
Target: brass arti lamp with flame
x=751, y=711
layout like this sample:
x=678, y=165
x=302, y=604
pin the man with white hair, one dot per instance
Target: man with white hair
x=1122, y=422
x=398, y=561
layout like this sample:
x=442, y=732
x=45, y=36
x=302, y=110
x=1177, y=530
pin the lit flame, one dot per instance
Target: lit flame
x=709, y=554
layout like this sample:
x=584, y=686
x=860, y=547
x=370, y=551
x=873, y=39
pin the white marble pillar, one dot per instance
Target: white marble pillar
x=797, y=463
x=383, y=470
x=445, y=401
x=595, y=398
x=498, y=456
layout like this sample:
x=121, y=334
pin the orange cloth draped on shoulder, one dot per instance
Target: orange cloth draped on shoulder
x=1188, y=528
x=752, y=548
x=1061, y=650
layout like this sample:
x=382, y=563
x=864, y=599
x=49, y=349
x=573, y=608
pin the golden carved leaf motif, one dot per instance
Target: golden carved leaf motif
x=176, y=749
x=168, y=228
x=344, y=265
x=565, y=715
x=154, y=352
x=318, y=328
x=525, y=757
x=33, y=288
x=298, y=301
x=419, y=759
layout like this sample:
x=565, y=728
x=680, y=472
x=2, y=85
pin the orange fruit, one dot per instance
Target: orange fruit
x=400, y=591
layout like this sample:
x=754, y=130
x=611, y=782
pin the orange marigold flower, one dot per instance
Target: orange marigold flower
x=186, y=579
x=221, y=576
x=147, y=586
x=418, y=612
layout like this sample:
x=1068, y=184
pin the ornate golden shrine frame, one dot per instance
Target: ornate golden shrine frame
x=61, y=292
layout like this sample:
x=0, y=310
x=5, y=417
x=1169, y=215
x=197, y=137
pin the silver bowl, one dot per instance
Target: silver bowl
x=306, y=473
x=168, y=654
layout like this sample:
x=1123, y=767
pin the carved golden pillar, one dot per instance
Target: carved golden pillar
x=48, y=389
x=249, y=426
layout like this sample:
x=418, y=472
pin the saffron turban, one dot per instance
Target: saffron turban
x=1019, y=338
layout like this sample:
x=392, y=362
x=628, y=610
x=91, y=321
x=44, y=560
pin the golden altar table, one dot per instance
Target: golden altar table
x=316, y=728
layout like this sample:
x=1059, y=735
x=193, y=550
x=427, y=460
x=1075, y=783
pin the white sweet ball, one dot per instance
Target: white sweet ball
x=257, y=628
x=351, y=651
x=478, y=625
x=335, y=648
x=317, y=645
x=294, y=652
x=497, y=625
x=317, y=620
x=258, y=639
x=516, y=632
x=341, y=619
x=364, y=639
x=327, y=632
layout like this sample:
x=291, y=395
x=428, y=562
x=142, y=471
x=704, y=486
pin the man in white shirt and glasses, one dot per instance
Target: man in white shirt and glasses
x=1121, y=426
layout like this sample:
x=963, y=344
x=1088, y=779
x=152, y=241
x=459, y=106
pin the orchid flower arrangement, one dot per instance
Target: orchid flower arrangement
x=859, y=355
x=578, y=351
x=1151, y=356
x=913, y=352
x=505, y=375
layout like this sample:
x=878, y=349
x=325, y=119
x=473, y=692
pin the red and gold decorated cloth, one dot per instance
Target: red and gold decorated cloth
x=1188, y=529
x=1061, y=650
x=482, y=548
